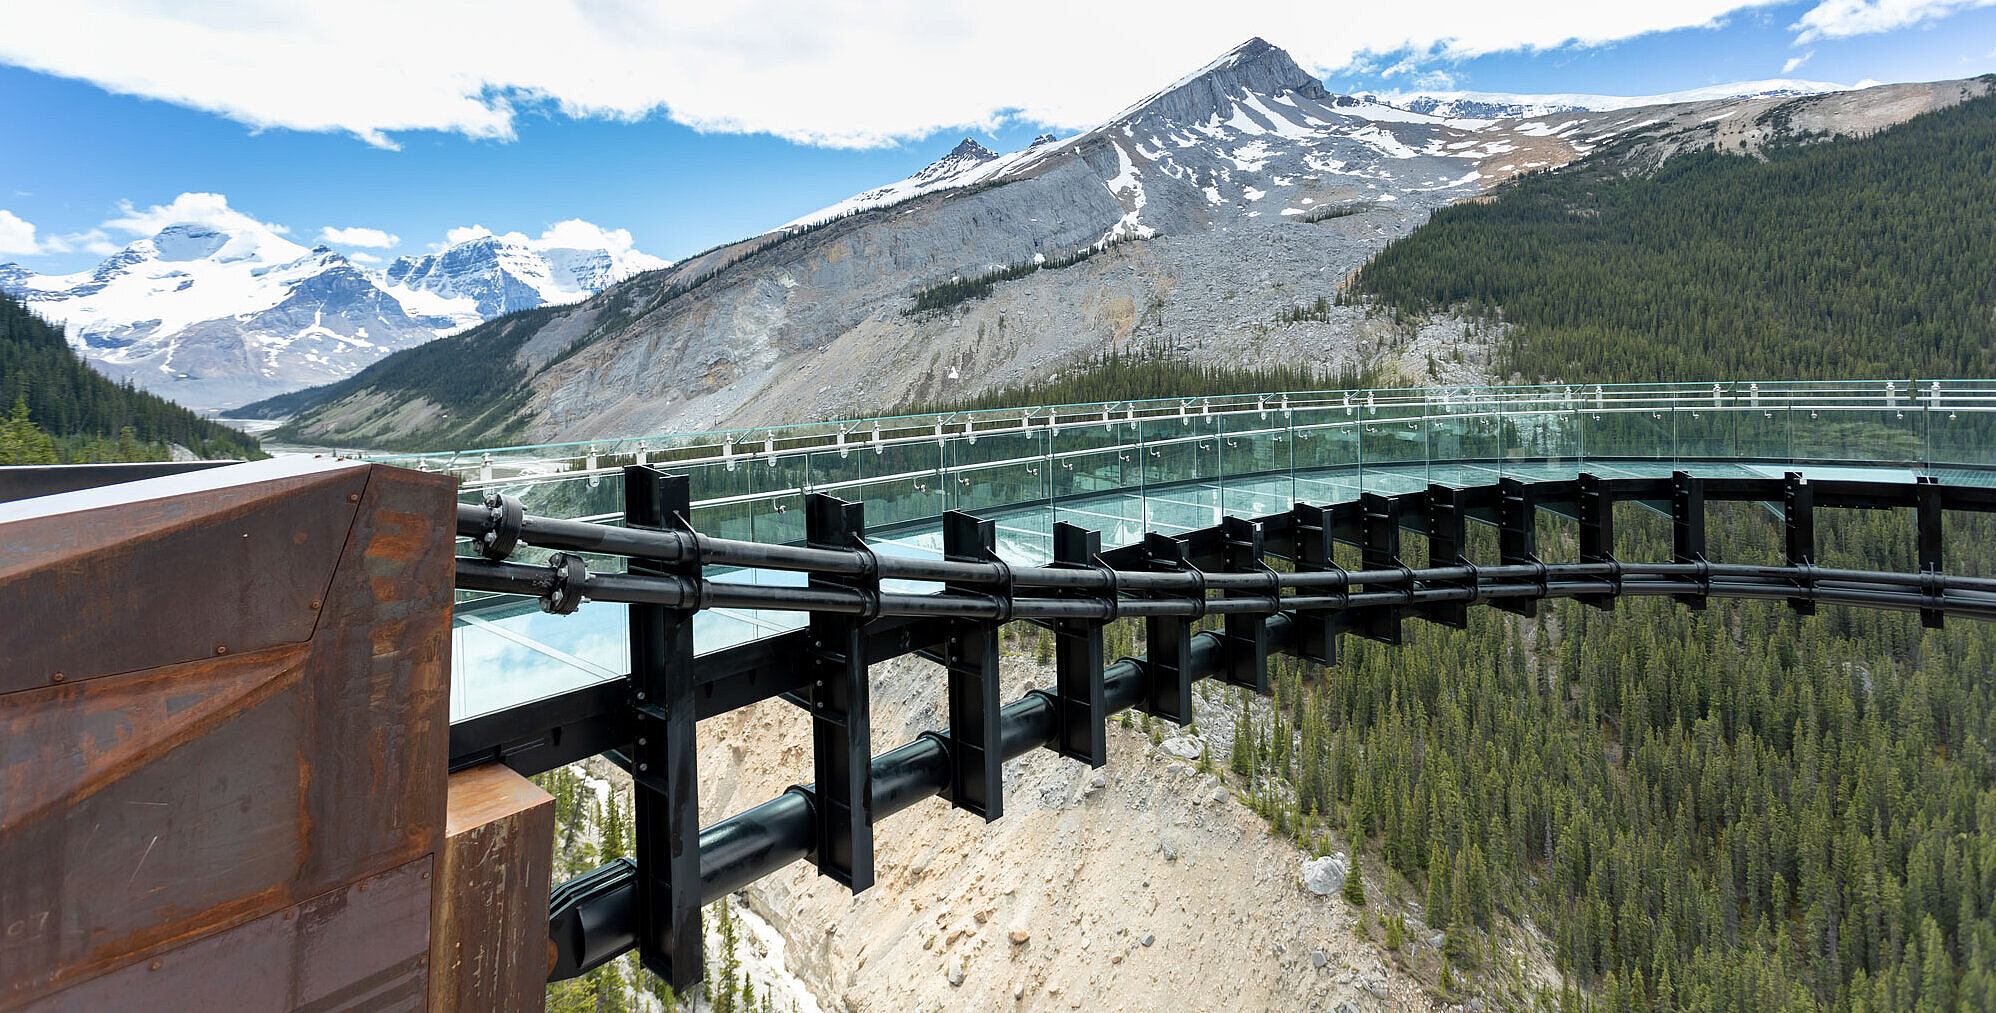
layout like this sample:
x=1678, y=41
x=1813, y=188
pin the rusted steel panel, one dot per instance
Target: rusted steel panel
x=218, y=562
x=364, y=946
x=490, y=925
x=142, y=811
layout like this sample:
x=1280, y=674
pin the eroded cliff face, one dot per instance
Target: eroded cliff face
x=1144, y=885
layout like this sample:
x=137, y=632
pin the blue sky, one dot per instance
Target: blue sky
x=760, y=115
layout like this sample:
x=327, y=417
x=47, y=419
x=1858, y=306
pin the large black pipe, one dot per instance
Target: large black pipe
x=1967, y=596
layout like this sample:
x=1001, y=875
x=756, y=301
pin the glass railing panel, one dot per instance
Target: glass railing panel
x=1626, y=432
x=1857, y=435
x=999, y=469
x=1255, y=459
x=1761, y=432
x=1326, y=453
x=1180, y=468
x=1703, y=432
x=1541, y=431
x=1392, y=444
x=1465, y=431
x=1962, y=435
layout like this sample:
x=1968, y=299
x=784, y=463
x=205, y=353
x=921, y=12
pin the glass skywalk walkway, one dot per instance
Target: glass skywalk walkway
x=1167, y=466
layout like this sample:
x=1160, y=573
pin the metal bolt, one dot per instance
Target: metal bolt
x=644, y=766
x=221, y=648
x=426, y=873
x=58, y=677
x=290, y=914
x=316, y=603
x=642, y=742
x=363, y=888
x=353, y=497
x=156, y=965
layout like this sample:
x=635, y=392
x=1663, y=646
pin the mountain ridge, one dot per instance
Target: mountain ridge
x=1231, y=198
x=220, y=314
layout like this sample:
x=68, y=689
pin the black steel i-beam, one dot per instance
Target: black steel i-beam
x=1927, y=511
x=1246, y=632
x=841, y=710
x=1798, y=523
x=1448, y=545
x=664, y=752
x=1595, y=503
x=1314, y=552
x=1380, y=550
x=1517, y=537
x=1168, y=640
x=1082, y=711
x=971, y=658
x=1687, y=527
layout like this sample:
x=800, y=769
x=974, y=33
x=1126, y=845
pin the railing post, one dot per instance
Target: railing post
x=971, y=654
x=841, y=712
x=664, y=753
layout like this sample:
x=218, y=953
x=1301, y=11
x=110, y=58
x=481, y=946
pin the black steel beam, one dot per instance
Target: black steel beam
x=664, y=755
x=841, y=705
x=970, y=656
x=1082, y=710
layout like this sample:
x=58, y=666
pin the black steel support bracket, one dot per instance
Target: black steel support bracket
x=971, y=657
x=664, y=754
x=841, y=718
x=1078, y=657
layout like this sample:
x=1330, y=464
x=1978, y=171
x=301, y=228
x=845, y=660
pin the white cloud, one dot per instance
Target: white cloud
x=569, y=234
x=576, y=234
x=17, y=237
x=1795, y=62
x=1841, y=19
x=206, y=208
x=363, y=258
x=358, y=236
x=829, y=72
x=465, y=234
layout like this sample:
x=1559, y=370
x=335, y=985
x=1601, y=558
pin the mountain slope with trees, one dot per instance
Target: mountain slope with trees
x=1838, y=257
x=62, y=411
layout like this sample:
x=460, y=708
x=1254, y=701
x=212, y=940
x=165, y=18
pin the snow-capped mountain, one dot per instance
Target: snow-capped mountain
x=486, y=276
x=1490, y=105
x=214, y=316
x=967, y=163
x=1250, y=189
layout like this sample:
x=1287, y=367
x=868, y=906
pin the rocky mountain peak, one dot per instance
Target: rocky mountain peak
x=1254, y=67
x=965, y=155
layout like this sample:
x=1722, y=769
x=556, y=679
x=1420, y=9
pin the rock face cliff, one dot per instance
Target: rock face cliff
x=1211, y=207
x=1144, y=885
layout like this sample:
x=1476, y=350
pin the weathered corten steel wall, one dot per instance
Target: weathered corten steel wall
x=223, y=739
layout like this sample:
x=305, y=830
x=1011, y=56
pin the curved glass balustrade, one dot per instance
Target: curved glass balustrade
x=1171, y=466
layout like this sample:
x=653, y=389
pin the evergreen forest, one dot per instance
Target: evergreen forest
x=1868, y=257
x=57, y=410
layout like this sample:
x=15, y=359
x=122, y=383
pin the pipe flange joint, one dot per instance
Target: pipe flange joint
x=569, y=575
x=504, y=518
